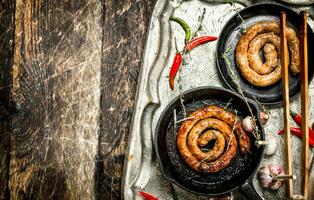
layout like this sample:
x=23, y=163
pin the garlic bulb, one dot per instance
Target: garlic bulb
x=264, y=117
x=271, y=147
x=248, y=124
x=223, y=197
x=266, y=176
x=297, y=197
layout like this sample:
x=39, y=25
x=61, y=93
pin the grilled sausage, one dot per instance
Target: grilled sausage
x=249, y=62
x=270, y=42
x=209, y=135
x=225, y=124
x=203, y=140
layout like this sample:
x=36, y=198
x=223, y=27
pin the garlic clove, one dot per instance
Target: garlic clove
x=271, y=147
x=275, y=169
x=223, y=197
x=265, y=177
x=266, y=174
x=264, y=117
x=297, y=197
x=275, y=185
x=248, y=124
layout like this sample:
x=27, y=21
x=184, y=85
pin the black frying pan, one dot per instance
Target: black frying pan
x=229, y=37
x=237, y=175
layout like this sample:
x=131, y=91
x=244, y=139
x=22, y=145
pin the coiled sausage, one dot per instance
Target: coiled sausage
x=216, y=123
x=265, y=34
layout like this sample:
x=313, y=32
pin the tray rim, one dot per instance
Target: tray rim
x=127, y=184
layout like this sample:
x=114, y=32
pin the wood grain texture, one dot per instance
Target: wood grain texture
x=6, y=54
x=56, y=90
x=286, y=104
x=304, y=104
x=125, y=27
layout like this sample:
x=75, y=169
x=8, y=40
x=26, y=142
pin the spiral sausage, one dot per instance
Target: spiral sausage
x=265, y=34
x=218, y=124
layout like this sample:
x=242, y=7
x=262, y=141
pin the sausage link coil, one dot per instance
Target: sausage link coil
x=211, y=123
x=265, y=34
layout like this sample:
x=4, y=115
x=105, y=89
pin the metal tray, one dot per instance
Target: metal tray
x=141, y=171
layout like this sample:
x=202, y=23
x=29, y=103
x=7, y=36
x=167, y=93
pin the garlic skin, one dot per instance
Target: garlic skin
x=248, y=124
x=223, y=197
x=271, y=147
x=275, y=169
x=266, y=174
x=264, y=117
x=297, y=197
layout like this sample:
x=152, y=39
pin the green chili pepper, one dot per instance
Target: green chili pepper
x=185, y=27
x=174, y=193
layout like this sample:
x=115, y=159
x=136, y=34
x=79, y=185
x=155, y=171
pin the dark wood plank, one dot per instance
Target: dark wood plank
x=125, y=24
x=56, y=81
x=6, y=59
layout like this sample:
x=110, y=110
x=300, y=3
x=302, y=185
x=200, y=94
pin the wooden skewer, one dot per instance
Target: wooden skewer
x=281, y=177
x=304, y=104
x=261, y=142
x=285, y=82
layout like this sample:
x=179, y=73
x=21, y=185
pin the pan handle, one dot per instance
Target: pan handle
x=249, y=191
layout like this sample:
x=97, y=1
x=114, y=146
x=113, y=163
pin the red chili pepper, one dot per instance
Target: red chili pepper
x=174, y=69
x=198, y=41
x=297, y=132
x=298, y=119
x=147, y=196
x=175, y=66
x=178, y=57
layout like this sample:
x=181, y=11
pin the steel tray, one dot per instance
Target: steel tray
x=141, y=171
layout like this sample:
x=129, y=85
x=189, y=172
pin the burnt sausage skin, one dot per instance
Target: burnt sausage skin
x=205, y=124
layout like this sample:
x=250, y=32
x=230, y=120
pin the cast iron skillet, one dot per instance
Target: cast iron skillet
x=229, y=37
x=237, y=175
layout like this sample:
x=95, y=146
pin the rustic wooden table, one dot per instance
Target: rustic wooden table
x=58, y=60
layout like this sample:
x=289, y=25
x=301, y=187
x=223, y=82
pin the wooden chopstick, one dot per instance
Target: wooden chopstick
x=285, y=82
x=304, y=103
